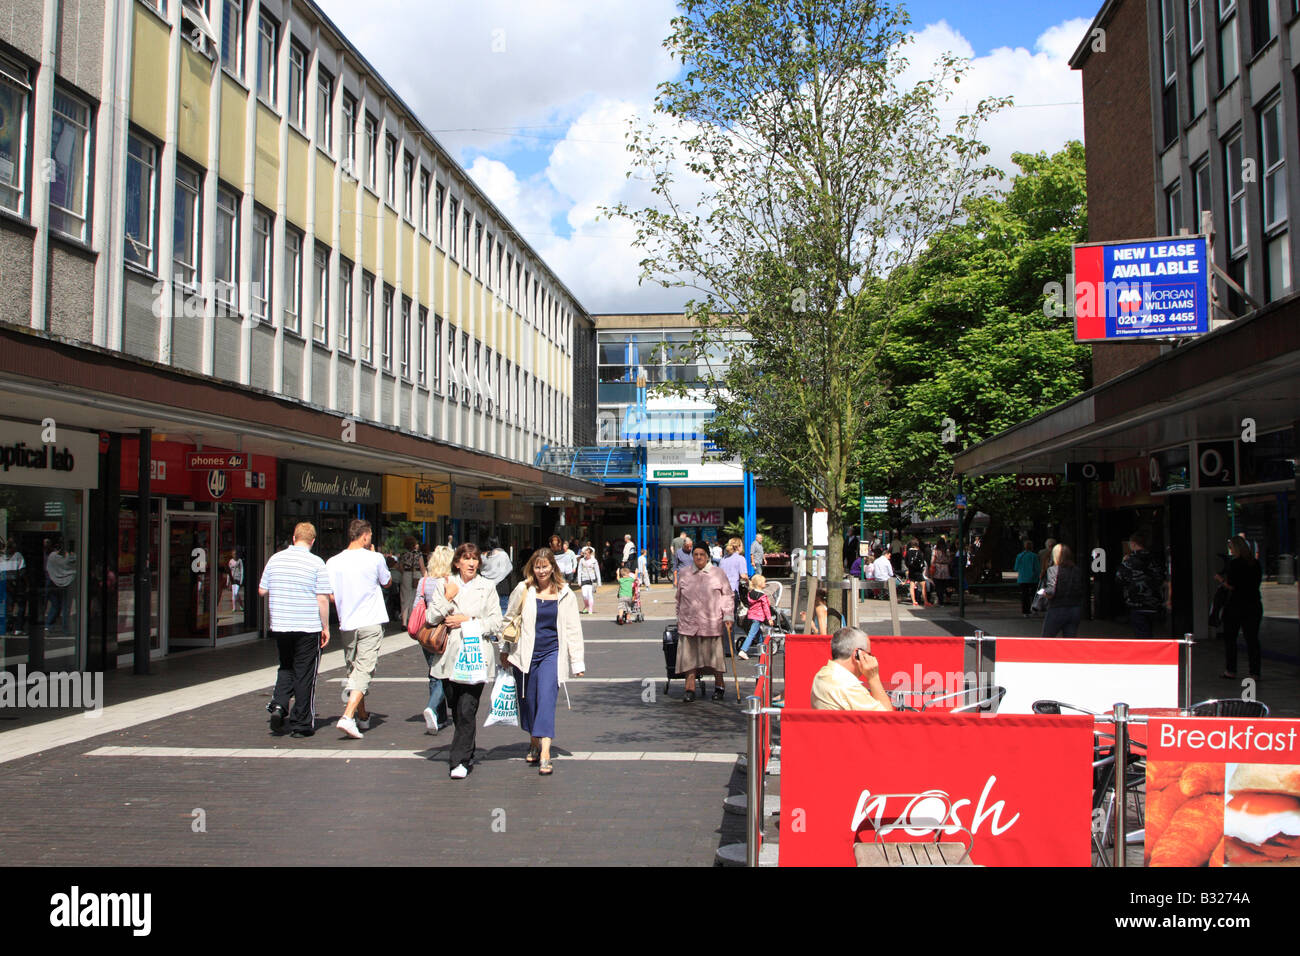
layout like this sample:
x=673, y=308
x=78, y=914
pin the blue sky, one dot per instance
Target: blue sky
x=534, y=99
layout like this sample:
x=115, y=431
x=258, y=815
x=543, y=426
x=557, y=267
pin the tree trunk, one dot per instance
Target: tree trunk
x=836, y=598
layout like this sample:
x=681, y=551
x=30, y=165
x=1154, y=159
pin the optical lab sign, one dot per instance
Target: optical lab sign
x=70, y=462
x=1155, y=288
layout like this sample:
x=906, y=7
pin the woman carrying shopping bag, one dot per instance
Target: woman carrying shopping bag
x=470, y=660
x=589, y=578
x=548, y=650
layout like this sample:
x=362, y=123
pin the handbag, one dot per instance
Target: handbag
x=1040, y=603
x=433, y=638
x=415, y=623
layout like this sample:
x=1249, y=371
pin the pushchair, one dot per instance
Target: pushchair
x=637, y=614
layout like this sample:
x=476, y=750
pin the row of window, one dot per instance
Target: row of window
x=509, y=279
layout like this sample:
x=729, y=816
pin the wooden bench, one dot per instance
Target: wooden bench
x=912, y=854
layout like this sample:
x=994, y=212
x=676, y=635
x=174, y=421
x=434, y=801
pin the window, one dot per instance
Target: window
x=487, y=375
x=1196, y=97
x=424, y=200
x=500, y=257
x=69, y=140
x=1236, y=194
x=141, y=171
x=452, y=377
x=345, y=306
x=232, y=36
x=406, y=337
x=390, y=170
x=320, y=317
x=478, y=248
x=15, y=90
x=1169, y=57
x=408, y=186
x=227, y=248
x=1201, y=181
x=506, y=405
x=268, y=42
x=455, y=214
x=261, y=252
x=324, y=110
x=1273, y=160
x=422, y=346
x=438, y=196
x=478, y=375
x=372, y=147
x=185, y=226
x=1174, y=208
x=510, y=265
x=293, y=281
x=349, y=133
x=1262, y=27
x=466, y=219
x=1227, y=43
x=1277, y=266
x=464, y=368
x=367, y=318
x=298, y=85
x=437, y=352
x=387, y=339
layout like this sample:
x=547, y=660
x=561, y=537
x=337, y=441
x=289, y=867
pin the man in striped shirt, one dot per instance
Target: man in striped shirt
x=299, y=587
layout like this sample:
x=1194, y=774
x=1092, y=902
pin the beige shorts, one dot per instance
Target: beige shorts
x=361, y=654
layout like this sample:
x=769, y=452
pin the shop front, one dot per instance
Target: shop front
x=415, y=507
x=473, y=517
x=207, y=544
x=327, y=497
x=47, y=477
x=518, y=527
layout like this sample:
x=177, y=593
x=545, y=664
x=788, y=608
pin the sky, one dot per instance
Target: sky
x=533, y=98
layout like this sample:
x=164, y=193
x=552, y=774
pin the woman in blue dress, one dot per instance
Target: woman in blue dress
x=549, y=650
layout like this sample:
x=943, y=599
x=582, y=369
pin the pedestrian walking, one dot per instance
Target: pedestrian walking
x=1027, y=576
x=756, y=554
x=682, y=560
x=410, y=564
x=629, y=553
x=626, y=584
x=567, y=562
x=438, y=584
x=1064, y=588
x=941, y=569
x=299, y=588
x=758, y=612
x=359, y=575
x=643, y=569
x=704, y=603
x=915, y=563
x=1142, y=579
x=1244, y=609
x=589, y=579
x=474, y=619
x=497, y=568
x=548, y=649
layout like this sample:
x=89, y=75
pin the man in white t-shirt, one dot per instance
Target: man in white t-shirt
x=358, y=575
x=882, y=569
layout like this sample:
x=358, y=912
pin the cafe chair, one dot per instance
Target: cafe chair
x=941, y=852
x=1230, y=707
x=988, y=702
x=1054, y=707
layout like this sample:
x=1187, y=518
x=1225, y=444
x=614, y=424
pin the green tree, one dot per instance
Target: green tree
x=974, y=342
x=799, y=172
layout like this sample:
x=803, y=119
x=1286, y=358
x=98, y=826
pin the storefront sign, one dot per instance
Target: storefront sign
x=697, y=519
x=1223, y=791
x=669, y=473
x=429, y=501
x=1079, y=471
x=468, y=505
x=1170, y=470
x=321, y=483
x=71, y=461
x=216, y=461
x=1037, y=482
x=1216, y=464
x=1131, y=487
x=170, y=474
x=1134, y=290
x=493, y=495
x=875, y=504
x=514, y=512
x=837, y=767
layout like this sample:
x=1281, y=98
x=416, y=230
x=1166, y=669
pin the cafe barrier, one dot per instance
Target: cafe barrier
x=1022, y=785
x=1091, y=673
x=912, y=666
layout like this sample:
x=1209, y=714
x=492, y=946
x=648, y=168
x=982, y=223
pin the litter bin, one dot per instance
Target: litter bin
x=1286, y=569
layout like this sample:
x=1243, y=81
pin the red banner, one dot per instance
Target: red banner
x=1021, y=785
x=933, y=664
x=1093, y=650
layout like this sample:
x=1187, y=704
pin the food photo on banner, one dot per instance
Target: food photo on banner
x=1223, y=792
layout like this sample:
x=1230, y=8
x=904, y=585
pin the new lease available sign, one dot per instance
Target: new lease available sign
x=1154, y=288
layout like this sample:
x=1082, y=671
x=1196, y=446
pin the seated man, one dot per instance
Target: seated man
x=839, y=684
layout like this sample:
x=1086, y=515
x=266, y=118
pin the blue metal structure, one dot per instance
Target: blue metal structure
x=750, y=515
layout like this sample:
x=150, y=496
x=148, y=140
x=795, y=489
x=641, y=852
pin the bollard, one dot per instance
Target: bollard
x=1186, y=655
x=753, y=786
x=1121, y=784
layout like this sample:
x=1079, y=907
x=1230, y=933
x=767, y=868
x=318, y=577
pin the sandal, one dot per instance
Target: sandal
x=534, y=754
x=545, y=769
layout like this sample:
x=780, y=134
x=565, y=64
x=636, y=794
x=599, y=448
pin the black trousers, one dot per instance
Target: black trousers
x=296, y=678
x=462, y=701
x=1027, y=592
x=1247, y=622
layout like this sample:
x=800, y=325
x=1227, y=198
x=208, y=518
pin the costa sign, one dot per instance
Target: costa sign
x=712, y=516
x=1037, y=482
x=216, y=461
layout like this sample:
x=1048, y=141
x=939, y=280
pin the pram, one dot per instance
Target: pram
x=637, y=614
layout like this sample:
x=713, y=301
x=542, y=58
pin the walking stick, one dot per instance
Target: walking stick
x=735, y=680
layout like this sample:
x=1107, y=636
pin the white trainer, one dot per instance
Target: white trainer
x=430, y=721
x=459, y=772
x=363, y=724
x=349, y=727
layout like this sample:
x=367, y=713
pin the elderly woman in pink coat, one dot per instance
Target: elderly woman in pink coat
x=704, y=603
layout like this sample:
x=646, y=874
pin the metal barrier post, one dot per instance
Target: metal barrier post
x=753, y=786
x=1121, y=784
x=979, y=659
x=1187, y=672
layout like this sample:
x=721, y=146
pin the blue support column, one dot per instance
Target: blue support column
x=750, y=517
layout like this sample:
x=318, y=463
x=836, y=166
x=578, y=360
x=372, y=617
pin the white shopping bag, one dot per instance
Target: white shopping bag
x=505, y=701
x=471, y=663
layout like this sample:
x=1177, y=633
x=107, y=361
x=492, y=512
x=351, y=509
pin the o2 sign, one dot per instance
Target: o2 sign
x=1216, y=463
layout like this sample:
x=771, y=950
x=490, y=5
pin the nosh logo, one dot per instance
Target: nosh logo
x=76, y=909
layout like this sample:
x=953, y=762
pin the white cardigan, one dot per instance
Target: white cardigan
x=567, y=623
x=477, y=598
